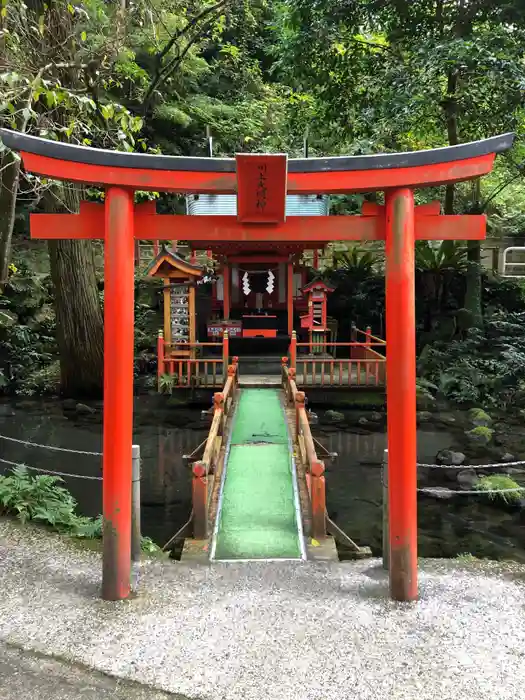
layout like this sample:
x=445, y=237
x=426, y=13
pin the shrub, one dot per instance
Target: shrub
x=486, y=368
x=41, y=499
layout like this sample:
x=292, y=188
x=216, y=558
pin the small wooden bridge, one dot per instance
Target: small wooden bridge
x=258, y=483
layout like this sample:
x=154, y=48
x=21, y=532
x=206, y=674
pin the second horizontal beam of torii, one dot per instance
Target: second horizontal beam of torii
x=89, y=223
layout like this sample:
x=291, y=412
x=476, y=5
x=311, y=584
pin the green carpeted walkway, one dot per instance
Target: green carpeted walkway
x=257, y=519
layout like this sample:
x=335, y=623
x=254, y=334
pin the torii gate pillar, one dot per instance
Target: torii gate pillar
x=119, y=291
x=401, y=395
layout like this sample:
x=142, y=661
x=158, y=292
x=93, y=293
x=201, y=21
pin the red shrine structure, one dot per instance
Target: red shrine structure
x=259, y=289
x=261, y=228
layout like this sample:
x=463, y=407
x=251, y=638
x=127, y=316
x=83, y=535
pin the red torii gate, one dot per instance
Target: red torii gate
x=261, y=183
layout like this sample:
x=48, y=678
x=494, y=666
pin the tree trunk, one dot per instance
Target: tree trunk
x=473, y=291
x=79, y=319
x=474, y=284
x=9, y=189
x=472, y=300
x=451, y=113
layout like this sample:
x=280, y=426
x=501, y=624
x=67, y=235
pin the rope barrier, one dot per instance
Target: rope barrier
x=499, y=465
x=434, y=490
x=49, y=447
x=479, y=492
x=50, y=471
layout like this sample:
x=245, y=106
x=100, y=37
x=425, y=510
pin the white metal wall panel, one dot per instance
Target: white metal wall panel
x=226, y=205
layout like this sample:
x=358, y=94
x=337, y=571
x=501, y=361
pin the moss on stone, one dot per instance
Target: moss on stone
x=494, y=483
x=481, y=435
x=479, y=417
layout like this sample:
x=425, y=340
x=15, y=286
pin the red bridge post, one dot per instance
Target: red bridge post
x=200, y=500
x=401, y=393
x=293, y=350
x=160, y=358
x=318, y=499
x=119, y=282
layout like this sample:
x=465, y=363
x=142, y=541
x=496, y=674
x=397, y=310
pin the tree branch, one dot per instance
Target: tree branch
x=161, y=71
x=499, y=189
x=375, y=45
x=219, y=5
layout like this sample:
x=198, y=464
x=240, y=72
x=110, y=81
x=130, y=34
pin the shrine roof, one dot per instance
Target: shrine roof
x=379, y=161
x=318, y=282
x=176, y=262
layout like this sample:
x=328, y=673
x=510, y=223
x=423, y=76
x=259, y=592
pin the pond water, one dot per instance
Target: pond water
x=354, y=490
x=446, y=528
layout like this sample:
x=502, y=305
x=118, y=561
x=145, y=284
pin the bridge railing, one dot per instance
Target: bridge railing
x=205, y=468
x=365, y=366
x=308, y=446
x=180, y=366
x=372, y=349
x=314, y=466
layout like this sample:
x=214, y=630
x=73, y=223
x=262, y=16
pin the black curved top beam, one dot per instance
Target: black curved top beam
x=381, y=161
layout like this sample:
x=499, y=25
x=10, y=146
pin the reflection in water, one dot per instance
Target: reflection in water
x=353, y=481
x=465, y=524
x=165, y=486
x=166, y=480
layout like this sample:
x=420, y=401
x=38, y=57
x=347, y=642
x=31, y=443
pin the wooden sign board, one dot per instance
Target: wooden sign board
x=180, y=314
x=261, y=188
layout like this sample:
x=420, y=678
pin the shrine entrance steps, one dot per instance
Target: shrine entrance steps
x=260, y=365
x=259, y=516
x=259, y=380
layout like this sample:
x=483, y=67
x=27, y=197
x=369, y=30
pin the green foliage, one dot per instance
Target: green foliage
x=425, y=391
x=500, y=294
x=167, y=383
x=27, y=335
x=355, y=262
x=448, y=255
x=37, y=498
x=486, y=368
x=41, y=499
x=499, y=482
x=359, y=290
x=382, y=70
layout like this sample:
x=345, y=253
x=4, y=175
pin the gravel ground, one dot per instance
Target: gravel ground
x=34, y=677
x=305, y=631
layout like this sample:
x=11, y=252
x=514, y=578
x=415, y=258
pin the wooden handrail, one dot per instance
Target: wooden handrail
x=346, y=360
x=205, y=469
x=194, y=345
x=368, y=334
x=314, y=466
x=352, y=344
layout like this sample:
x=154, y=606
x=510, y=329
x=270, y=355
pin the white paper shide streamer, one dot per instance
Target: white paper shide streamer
x=246, y=284
x=269, y=286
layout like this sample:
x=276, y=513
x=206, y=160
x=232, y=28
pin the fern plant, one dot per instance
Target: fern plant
x=37, y=498
x=167, y=383
x=42, y=499
x=487, y=368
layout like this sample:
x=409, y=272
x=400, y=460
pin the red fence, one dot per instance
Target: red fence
x=178, y=366
x=364, y=367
